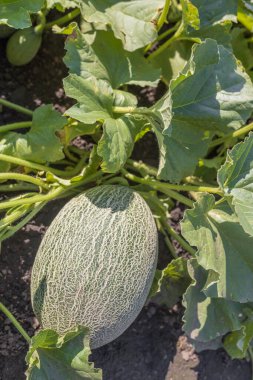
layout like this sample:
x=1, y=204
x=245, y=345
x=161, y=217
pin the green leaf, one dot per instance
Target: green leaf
x=106, y=59
x=237, y=342
x=16, y=13
x=116, y=144
x=203, y=13
x=61, y=5
x=96, y=101
x=61, y=357
x=223, y=247
x=206, y=319
x=95, y=98
x=172, y=283
x=211, y=94
x=204, y=19
x=41, y=143
x=236, y=179
x=242, y=50
x=134, y=21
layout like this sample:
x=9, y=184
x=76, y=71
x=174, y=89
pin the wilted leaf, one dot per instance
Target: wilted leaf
x=172, y=283
x=61, y=357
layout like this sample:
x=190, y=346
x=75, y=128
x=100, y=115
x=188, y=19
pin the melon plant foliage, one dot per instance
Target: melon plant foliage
x=196, y=56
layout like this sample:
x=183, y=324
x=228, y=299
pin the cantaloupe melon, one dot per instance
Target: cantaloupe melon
x=96, y=263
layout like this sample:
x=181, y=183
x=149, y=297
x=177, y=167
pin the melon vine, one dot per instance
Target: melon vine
x=97, y=264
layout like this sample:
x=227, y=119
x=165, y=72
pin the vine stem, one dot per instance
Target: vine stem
x=13, y=126
x=35, y=199
x=16, y=107
x=142, y=167
x=124, y=109
x=177, y=237
x=11, y=230
x=169, y=186
x=14, y=216
x=161, y=37
x=18, y=326
x=166, y=238
x=238, y=133
x=17, y=187
x=44, y=198
x=163, y=16
x=23, y=177
x=164, y=46
x=35, y=166
x=63, y=20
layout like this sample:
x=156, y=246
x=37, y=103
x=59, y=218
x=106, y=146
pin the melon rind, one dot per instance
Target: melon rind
x=96, y=264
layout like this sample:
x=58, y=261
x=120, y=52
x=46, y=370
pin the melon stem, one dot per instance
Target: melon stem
x=14, y=321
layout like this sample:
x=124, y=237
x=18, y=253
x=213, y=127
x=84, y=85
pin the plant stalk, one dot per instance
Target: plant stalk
x=124, y=109
x=238, y=133
x=164, y=46
x=15, y=107
x=35, y=166
x=163, y=17
x=64, y=19
x=12, y=187
x=23, y=177
x=14, y=321
x=169, y=186
x=177, y=237
x=13, y=126
x=31, y=200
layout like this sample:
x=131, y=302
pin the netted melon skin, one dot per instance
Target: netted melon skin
x=96, y=264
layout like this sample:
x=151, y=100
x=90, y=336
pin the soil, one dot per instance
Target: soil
x=154, y=346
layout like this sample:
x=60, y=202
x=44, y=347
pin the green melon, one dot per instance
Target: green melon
x=22, y=46
x=96, y=263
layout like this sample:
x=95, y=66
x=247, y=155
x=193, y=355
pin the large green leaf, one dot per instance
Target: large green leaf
x=134, y=21
x=223, y=247
x=106, y=59
x=61, y=357
x=208, y=19
x=16, y=13
x=236, y=179
x=40, y=143
x=198, y=14
x=96, y=104
x=95, y=98
x=206, y=319
x=211, y=94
